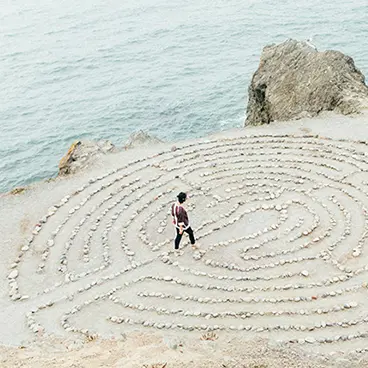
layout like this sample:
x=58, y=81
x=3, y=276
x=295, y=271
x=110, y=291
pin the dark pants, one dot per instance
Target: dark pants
x=189, y=231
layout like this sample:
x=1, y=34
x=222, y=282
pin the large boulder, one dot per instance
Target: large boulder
x=294, y=80
x=82, y=154
x=141, y=139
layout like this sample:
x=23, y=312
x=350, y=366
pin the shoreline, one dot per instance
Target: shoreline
x=120, y=149
x=324, y=115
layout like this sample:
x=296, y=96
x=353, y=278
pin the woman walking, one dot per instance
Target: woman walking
x=181, y=221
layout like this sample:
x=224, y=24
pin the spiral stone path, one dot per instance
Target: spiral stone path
x=281, y=223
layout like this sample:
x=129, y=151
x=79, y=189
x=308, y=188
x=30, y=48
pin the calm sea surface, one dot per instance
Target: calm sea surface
x=98, y=69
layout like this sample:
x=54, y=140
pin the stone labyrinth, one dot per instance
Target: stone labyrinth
x=282, y=226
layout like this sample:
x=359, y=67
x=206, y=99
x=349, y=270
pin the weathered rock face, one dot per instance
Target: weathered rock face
x=83, y=153
x=294, y=80
x=141, y=138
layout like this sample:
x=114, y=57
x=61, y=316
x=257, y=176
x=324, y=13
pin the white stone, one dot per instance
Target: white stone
x=13, y=275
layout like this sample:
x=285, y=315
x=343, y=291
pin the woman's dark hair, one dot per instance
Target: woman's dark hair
x=182, y=197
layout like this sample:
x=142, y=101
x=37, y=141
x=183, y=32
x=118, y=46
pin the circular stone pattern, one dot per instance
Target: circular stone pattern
x=281, y=223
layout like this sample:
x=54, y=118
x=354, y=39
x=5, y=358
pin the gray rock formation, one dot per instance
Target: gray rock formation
x=141, y=138
x=82, y=154
x=294, y=80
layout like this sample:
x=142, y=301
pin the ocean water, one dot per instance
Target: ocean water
x=94, y=69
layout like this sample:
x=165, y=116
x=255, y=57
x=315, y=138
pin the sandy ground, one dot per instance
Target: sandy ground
x=281, y=221
x=151, y=350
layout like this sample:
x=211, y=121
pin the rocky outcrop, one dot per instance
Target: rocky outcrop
x=294, y=80
x=141, y=138
x=82, y=154
x=18, y=190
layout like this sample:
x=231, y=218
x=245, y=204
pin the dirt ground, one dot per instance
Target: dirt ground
x=153, y=351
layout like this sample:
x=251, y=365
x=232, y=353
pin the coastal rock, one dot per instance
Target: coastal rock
x=18, y=190
x=83, y=153
x=294, y=80
x=141, y=138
